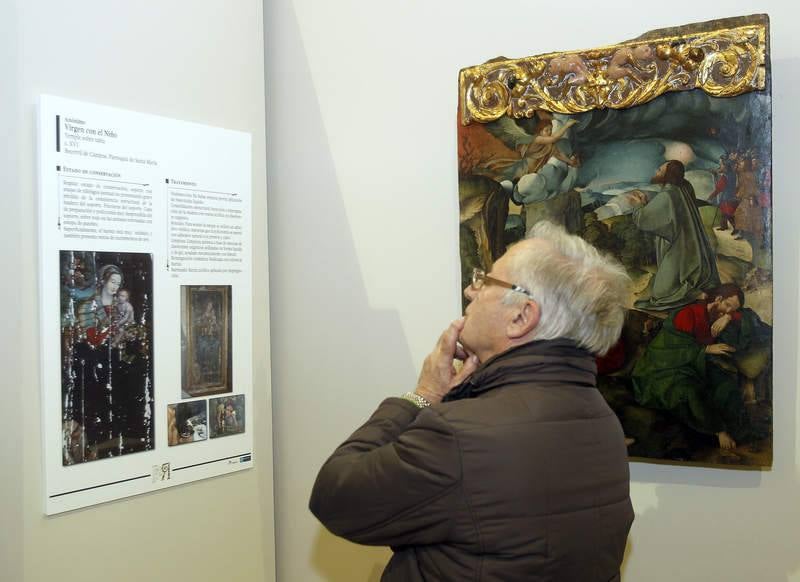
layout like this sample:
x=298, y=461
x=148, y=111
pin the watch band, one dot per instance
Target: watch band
x=416, y=399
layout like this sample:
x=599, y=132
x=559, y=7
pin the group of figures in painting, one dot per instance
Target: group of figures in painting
x=679, y=190
x=107, y=358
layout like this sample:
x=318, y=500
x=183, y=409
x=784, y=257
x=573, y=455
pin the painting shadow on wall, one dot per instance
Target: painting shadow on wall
x=343, y=319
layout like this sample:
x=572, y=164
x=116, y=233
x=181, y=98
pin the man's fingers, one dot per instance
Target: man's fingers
x=448, y=339
x=470, y=365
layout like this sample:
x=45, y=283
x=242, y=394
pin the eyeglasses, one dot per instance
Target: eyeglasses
x=480, y=278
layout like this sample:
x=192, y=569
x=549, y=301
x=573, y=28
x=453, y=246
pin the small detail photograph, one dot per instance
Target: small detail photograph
x=187, y=422
x=227, y=415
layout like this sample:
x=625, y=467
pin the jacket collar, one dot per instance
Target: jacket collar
x=541, y=362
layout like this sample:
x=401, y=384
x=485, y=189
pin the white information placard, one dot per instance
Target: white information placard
x=146, y=309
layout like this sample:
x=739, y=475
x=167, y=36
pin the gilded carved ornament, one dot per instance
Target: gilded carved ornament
x=723, y=63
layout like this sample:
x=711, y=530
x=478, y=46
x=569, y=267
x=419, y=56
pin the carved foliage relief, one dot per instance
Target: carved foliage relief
x=723, y=63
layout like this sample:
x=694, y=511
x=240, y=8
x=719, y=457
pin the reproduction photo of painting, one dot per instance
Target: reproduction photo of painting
x=227, y=415
x=675, y=183
x=107, y=354
x=187, y=422
x=205, y=340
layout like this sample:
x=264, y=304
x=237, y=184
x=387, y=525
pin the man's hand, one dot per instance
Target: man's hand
x=720, y=350
x=438, y=375
x=719, y=325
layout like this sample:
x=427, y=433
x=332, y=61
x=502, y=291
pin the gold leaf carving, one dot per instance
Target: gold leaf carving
x=723, y=63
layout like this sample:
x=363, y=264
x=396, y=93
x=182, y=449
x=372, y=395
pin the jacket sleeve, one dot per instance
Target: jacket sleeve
x=395, y=481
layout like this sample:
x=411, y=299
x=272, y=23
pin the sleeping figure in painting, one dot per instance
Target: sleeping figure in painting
x=691, y=370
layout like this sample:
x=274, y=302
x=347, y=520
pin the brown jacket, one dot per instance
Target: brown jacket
x=521, y=475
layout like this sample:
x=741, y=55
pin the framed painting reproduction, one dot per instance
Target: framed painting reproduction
x=206, y=340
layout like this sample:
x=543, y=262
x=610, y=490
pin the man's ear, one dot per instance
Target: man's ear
x=526, y=318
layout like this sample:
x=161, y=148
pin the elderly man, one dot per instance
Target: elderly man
x=513, y=467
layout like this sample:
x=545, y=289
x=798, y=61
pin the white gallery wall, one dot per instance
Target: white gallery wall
x=360, y=155
x=199, y=61
x=361, y=166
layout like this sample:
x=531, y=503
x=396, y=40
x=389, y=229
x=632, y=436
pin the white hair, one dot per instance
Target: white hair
x=582, y=294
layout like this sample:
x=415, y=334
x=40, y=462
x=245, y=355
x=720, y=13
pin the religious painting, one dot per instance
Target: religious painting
x=187, y=422
x=227, y=415
x=106, y=354
x=658, y=152
x=205, y=340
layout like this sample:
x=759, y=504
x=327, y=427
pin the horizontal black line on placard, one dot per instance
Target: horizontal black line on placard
x=103, y=179
x=171, y=187
x=98, y=486
x=239, y=456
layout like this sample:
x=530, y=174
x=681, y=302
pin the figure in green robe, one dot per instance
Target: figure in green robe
x=689, y=369
x=686, y=261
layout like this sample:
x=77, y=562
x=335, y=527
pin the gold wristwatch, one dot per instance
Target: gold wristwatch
x=416, y=399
